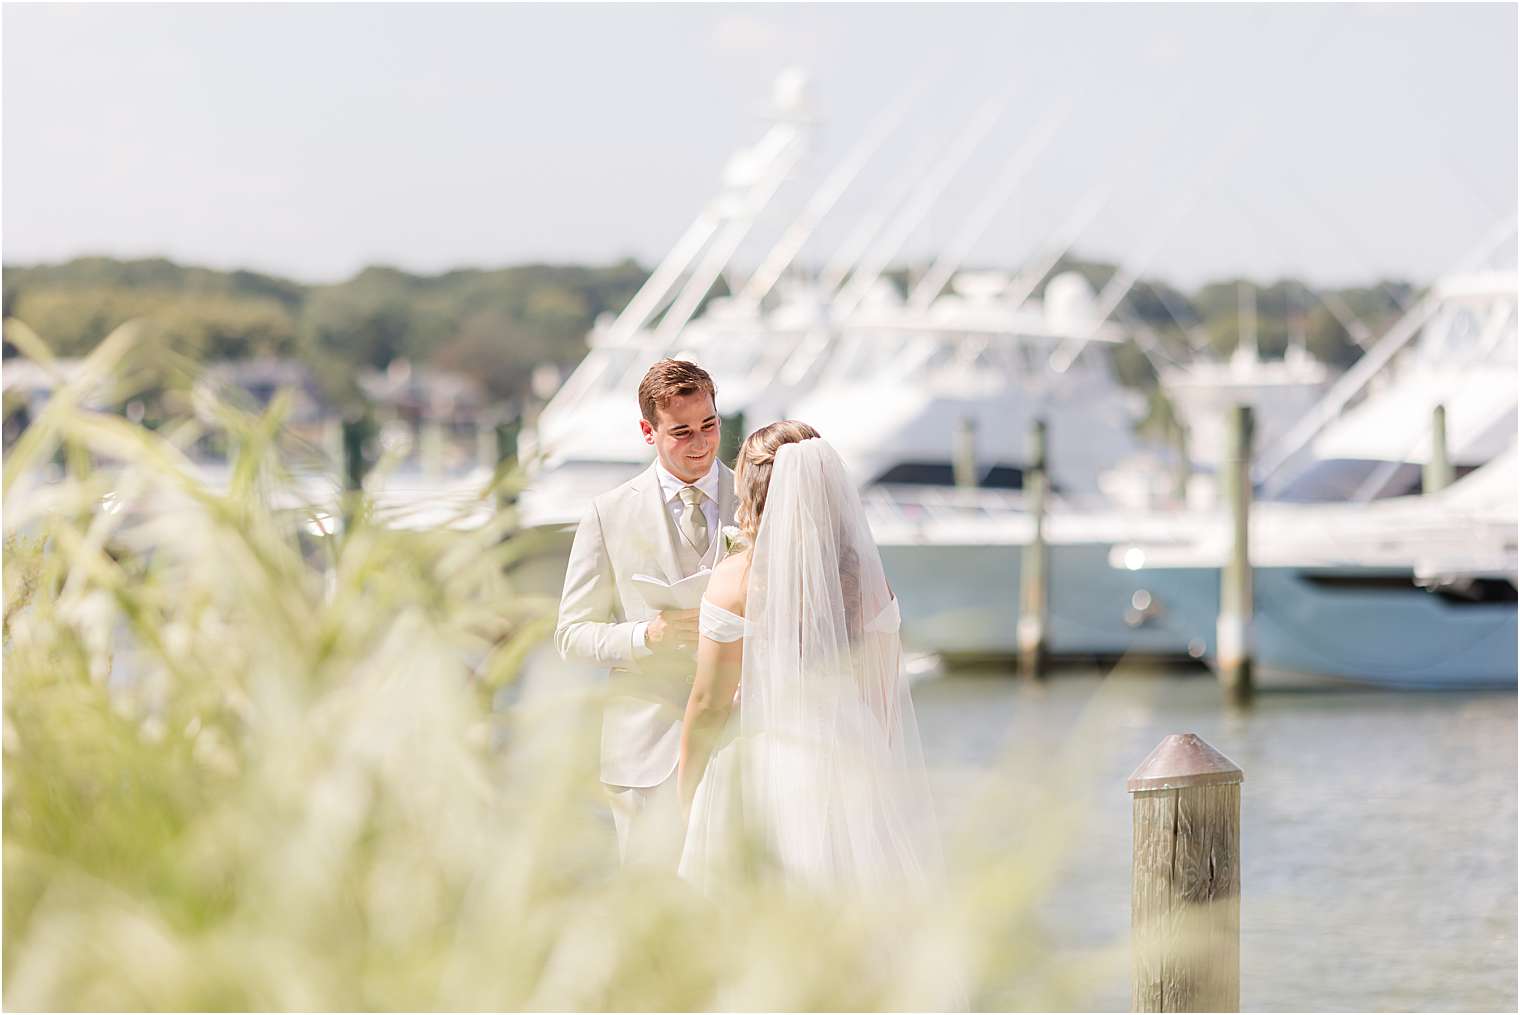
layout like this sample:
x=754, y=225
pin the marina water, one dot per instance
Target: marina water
x=1378, y=827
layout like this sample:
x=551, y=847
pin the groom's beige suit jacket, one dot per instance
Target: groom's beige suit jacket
x=629, y=531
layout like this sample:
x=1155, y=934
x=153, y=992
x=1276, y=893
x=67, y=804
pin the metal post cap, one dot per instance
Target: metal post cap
x=1181, y=760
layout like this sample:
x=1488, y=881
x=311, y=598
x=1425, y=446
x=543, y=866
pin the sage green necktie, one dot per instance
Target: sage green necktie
x=693, y=520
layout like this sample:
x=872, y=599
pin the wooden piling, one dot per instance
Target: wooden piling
x=964, y=459
x=1438, y=472
x=355, y=460
x=506, y=431
x=358, y=433
x=1233, y=631
x=1184, y=467
x=485, y=445
x=1034, y=568
x=432, y=446
x=1185, y=879
x=332, y=441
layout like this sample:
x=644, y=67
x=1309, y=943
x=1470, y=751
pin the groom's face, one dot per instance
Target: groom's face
x=685, y=435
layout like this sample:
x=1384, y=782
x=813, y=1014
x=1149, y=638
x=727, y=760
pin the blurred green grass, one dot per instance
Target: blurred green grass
x=251, y=762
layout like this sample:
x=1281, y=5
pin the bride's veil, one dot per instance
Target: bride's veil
x=833, y=774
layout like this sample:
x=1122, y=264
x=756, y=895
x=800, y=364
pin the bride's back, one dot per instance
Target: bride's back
x=821, y=518
x=835, y=770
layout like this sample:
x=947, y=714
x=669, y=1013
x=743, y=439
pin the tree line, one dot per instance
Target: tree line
x=499, y=324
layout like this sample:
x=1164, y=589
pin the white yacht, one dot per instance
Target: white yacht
x=908, y=392
x=1414, y=591
x=1357, y=576
x=910, y=399
x=1371, y=434
x=777, y=336
x=1279, y=392
x=960, y=550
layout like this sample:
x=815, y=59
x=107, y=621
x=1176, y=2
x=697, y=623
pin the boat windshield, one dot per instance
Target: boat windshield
x=1000, y=476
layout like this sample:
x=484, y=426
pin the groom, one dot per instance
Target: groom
x=666, y=523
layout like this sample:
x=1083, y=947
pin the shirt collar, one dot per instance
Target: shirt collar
x=671, y=487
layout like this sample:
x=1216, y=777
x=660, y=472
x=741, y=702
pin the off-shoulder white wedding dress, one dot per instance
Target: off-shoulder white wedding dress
x=819, y=775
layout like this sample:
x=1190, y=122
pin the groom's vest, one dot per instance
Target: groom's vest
x=686, y=554
x=630, y=531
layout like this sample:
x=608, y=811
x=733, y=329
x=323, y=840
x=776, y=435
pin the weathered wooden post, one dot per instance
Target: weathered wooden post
x=1184, y=467
x=507, y=431
x=964, y=459
x=332, y=440
x=1185, y=879
x=1438, y=469
x=358, y=432
x=1034, y=565
x=485, y=444
x=432, y=442
x=1233, y=631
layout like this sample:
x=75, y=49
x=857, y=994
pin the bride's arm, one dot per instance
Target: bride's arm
x=712, y=699
x=719, y=664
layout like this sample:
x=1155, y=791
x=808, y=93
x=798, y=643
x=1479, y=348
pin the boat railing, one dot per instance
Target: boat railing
x=1371, y=365
x=928, y=504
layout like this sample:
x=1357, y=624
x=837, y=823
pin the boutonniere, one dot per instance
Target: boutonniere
x=732, y=537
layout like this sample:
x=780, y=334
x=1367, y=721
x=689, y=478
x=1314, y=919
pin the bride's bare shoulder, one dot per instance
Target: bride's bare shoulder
x=729, y=582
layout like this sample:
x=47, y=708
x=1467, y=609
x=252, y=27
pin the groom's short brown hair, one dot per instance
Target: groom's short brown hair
x=671, y=378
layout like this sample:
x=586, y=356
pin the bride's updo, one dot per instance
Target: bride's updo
x=752, y=477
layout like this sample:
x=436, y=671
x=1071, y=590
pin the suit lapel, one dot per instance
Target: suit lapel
x=728, y=500
x=659, y=523
x=728, y=504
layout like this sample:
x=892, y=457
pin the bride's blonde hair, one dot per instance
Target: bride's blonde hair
x=756, y=457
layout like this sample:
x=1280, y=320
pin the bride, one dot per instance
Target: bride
x=799, y=752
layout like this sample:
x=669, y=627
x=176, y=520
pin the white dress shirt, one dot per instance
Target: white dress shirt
x=670, y=489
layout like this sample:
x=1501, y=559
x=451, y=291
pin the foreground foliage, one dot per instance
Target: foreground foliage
x=250, y=764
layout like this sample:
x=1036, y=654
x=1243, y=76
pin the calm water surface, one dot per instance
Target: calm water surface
x=1378, y=828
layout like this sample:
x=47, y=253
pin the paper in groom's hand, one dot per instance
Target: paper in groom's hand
x=685, y=594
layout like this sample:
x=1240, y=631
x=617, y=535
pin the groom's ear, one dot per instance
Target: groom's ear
x=646, y=430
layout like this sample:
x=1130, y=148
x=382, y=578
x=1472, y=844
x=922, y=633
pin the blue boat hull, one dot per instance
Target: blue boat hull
x=963, y=600
x=1364, y=626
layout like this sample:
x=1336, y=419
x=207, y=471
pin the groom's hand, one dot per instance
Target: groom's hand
x=672, y=631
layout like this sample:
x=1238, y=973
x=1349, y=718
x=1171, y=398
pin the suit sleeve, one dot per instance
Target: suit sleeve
x=588, y=629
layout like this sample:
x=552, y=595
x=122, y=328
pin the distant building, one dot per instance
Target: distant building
x=407, y=401
x=28, y=385
x=252, y=384
x=414, y=394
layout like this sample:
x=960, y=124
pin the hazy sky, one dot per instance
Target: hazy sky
x=1336, y=142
